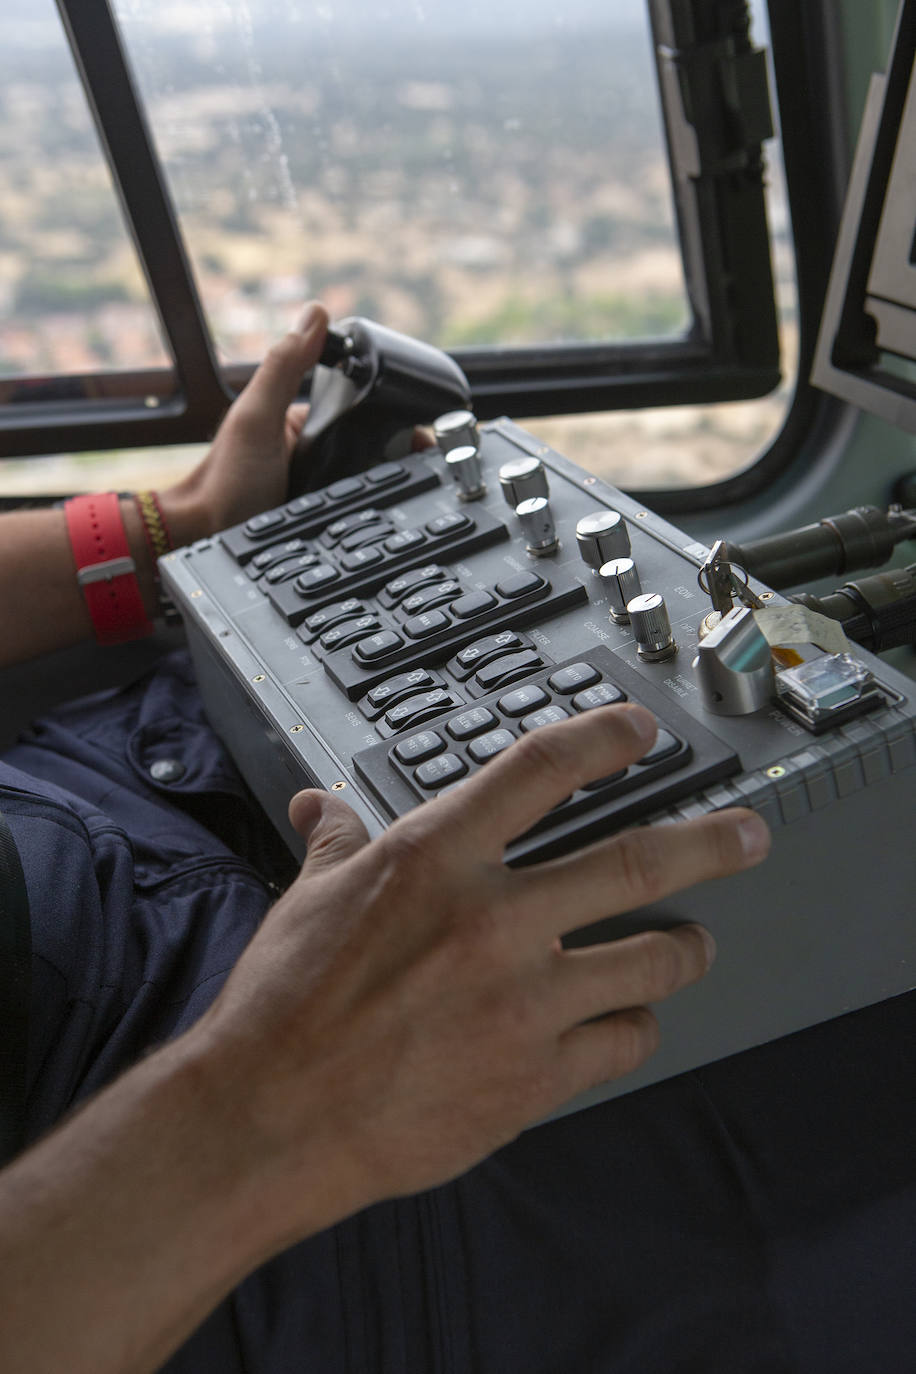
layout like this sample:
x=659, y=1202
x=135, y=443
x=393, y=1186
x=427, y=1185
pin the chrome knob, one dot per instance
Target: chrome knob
x=522, y=479
x=464, y=465
x=602, y=536
x=456, y=429
x=537, y=522
x=651, y=627
x=622, y=582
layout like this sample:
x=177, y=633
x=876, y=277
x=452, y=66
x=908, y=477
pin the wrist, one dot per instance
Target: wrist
x=292, y=1169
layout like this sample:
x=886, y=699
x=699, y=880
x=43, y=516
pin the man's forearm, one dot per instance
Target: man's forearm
x=124, y=1228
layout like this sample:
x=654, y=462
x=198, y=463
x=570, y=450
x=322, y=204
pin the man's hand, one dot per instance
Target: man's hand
x=246, y=468
x=405, y=1009
x=407, y=1006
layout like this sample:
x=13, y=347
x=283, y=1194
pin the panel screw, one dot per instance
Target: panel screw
x=777, y=771
x=259, y=677
x=338, y=786
x=295, y=729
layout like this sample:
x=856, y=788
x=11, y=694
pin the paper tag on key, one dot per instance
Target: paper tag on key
x=798, y=625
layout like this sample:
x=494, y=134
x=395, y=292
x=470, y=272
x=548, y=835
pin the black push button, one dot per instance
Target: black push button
x=453, y=523
x=349, y=631
x=573, y=677
x=405, y=541
x=418, y=748
x=426, y=624
x=471, y=723
x=394, y=592
x=416, y=709
x=475, y=655
x=488, y=746
x=347, y=486
x=665, y=745
x=523, y=584
x=437, y=772
x=502, y=671
x=350, y=524
x=370, y=534
x=361, y=558
x=262, y=524
x=278, y=551
x=303, y=504
x=385, y=694
x=548, y=715
x=374, y=647
x=281, y=571
x=429, y=597
x=604, y=694
x=522, y=700
x=330, y=615
x=384, y=473
x=316, y=578
x=475, y=603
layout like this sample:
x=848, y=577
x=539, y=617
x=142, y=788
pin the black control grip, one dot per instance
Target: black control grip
x=371, y=384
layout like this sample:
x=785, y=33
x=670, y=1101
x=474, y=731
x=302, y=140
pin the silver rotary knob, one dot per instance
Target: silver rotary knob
x=522, y=479
x=464, y=465
x=456, y=429
x=651, y=627
x=537, y=522
x=602, y=537
x=621, y=579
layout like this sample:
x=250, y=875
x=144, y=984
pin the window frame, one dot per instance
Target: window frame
x=730, y=352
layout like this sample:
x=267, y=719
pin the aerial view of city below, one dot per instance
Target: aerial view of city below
x=393, y=161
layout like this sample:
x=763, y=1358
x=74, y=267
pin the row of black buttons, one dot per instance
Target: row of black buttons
x=269, y=521
x=433, y=759
x=429, y=623
x=371, y=555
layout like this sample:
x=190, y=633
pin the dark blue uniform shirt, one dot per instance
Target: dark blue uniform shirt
x=758, y=1215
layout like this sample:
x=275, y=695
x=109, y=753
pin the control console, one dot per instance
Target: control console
x=388, y=635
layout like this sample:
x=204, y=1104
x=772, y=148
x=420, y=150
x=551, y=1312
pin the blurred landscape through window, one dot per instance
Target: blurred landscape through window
x=489, y=174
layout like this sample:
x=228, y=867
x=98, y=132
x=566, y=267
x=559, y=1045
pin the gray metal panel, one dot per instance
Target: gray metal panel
x=824, y=926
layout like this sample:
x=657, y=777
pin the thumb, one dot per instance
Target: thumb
x=276, y=382
x=330, y=828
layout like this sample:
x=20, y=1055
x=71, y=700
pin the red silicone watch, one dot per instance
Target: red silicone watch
x=105, y=570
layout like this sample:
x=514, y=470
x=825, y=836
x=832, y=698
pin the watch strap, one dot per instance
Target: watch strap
x=105, y=570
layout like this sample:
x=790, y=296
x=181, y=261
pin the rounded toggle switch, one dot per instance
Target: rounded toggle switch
x=464, y=465
x=456, y=429
x=537, y=522
x=522, y=479
x=620, y=577
x=602, y=537
x=651, y=627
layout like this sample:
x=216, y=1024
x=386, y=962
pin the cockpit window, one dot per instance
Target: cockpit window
x=529, y=184
x=473, y=174
x=72, y=294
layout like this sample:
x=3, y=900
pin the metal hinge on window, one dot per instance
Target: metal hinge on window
x=718, y=100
